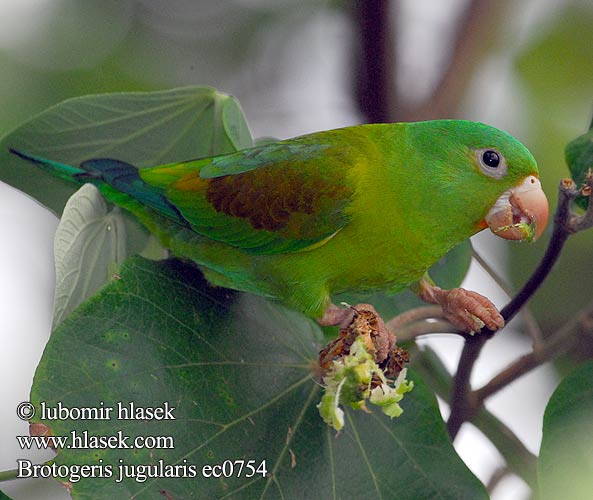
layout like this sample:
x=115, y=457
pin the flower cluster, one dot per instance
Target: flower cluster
x=355, y=378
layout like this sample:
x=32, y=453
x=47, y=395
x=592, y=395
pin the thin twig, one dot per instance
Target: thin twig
x=562, y=229
x=498, y=279
x=420, y=328
x=416, y=314
x=498, y=475
x=515, y=454
x=463, y=403
x=376, y=90
x=476, y=28
x=561, y=341
x=420, y=321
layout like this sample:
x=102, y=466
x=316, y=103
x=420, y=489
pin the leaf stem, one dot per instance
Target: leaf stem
x=9, y=475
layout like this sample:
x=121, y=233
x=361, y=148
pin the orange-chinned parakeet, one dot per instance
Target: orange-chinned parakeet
x=353, y=209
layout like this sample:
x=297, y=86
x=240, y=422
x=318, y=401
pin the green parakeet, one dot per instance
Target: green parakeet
x=353, y=209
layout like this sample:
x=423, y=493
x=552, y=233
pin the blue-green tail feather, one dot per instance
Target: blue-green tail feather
x=123, y=176
x=61, y=170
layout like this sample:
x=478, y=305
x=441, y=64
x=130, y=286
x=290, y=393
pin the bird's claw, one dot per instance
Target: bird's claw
x=363, y=321
x=469, y=311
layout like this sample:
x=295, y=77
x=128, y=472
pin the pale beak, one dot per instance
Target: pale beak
x=521, y=213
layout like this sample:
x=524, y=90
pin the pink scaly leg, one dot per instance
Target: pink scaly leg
x=469, y=311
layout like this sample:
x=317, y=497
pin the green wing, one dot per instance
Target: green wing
x=281, y=197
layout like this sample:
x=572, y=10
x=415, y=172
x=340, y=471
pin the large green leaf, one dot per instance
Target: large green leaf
x=240, y=373
x=565, y=465
x=143, y=128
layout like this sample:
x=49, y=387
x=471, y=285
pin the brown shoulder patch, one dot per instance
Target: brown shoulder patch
x=268, y=198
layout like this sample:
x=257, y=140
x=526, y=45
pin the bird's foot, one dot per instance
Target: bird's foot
x=362, y=320
x=362, y=365
x=469, y=311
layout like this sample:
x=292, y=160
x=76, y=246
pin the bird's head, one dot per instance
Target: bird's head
x=496, y=176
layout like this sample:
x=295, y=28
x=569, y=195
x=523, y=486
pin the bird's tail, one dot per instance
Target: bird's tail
x=120, y=175
x=67, y=172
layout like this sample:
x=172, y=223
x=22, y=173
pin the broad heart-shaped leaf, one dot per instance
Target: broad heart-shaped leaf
x=239, y=372
x=142, y=128
x=448, y=272
x=89, y=240
x=565, y=464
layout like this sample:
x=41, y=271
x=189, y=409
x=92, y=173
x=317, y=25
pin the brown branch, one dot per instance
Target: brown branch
x=375, y=65
x=476, y=30
x=464, y=403
x=498, y=475
x=417, y=329
x=556, y=344
x=419, y=321
x=515, y=454
x=416, y=314
x=462, y=408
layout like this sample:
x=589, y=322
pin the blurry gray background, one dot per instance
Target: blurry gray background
x=299, y=66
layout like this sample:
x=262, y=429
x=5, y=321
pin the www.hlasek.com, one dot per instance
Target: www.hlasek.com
x=84, y=440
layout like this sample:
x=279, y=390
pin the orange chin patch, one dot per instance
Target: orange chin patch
x=481, y=225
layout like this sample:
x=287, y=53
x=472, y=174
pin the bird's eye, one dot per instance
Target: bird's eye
x=492, y=163
x=491, y=158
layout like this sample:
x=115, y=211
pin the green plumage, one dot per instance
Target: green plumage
x=352, y=209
